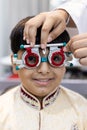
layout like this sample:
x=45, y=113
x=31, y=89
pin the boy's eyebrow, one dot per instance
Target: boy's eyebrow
x=48, y=45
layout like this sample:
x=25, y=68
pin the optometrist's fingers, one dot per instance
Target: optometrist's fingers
x=83, y=61
x=30, y=28
x=76, y=42
x=78, y=46
x=56, y=31
x=46, y=27
x=80, y=53
x=48, y=20
x=53, y=26
x=75, y=45
x=47, y=36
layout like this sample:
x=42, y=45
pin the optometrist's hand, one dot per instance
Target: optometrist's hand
x=78, y=46
x=55, y=19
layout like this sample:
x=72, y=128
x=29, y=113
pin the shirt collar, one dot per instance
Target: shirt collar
x=34, y=102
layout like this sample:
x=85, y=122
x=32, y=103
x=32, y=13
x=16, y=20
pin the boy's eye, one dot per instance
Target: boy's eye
x=57, y=58
x=31, y=60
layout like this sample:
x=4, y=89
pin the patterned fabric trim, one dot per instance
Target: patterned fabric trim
x=34, y=102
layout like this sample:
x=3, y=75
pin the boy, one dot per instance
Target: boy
x=40, y=102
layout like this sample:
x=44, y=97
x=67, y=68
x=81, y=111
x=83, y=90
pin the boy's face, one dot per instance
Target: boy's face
x=42, y=80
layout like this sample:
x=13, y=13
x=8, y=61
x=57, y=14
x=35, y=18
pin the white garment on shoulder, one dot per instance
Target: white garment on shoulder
x=78, y=11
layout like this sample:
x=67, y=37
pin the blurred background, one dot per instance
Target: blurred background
x=12, y=11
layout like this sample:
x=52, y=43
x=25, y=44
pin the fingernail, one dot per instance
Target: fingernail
x=27, y=41
x=32, y=44
x=23, y=38
x=49, y=39
x=43, y=46
x=65, y=49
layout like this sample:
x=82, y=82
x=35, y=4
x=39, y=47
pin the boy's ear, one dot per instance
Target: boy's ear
x=13, y=65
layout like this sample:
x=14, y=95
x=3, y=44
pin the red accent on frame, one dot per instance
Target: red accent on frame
x=30, y=53
x=61, y=54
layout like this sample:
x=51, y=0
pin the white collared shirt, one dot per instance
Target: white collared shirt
x=66, y=110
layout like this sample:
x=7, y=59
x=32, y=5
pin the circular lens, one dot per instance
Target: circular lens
x=31, y=60
x=57, y=59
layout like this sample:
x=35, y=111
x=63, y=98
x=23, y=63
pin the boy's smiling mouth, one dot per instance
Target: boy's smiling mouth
x=43, y=81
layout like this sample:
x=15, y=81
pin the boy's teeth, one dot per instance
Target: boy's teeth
x=43, y=80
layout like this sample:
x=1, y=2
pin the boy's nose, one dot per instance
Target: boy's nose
x=44, y=68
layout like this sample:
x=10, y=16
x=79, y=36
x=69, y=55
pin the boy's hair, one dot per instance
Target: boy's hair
x=16, y=36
